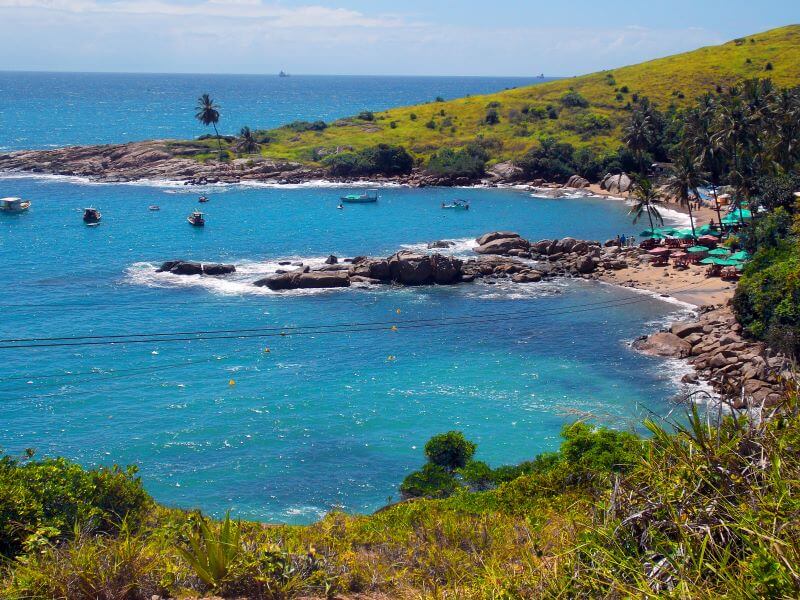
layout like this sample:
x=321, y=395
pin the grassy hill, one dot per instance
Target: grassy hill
x=526, y=114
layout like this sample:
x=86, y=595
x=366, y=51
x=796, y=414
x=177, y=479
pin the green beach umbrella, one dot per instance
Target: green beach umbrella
x=740, y=255
x=697, y=249
x=726, y=262
x=710, y=260
x=707, y=230
x=723, y=252
x=652, y=233
x=684, y=234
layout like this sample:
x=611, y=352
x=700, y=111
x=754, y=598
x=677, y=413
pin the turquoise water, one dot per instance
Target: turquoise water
x=321, y=420
x=42, y=110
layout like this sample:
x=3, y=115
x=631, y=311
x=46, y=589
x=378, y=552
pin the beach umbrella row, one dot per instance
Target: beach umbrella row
x=723, y=262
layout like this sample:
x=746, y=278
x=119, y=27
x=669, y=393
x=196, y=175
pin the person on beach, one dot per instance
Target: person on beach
x=619, y=242
x=622, y=241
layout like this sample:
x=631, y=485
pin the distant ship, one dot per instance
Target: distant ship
x=283, y=74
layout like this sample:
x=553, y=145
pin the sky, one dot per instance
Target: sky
x=369, y=37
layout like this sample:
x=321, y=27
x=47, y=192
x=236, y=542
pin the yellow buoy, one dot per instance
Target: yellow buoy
x=231, y=382
x=394, y=327
x=397, y=311
x=266, y=350
x=390, y=357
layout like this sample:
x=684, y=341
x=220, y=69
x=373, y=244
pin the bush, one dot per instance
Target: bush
x=551, y=160
x=439, y=99
x=382, y=159
x=449, y=450
x=591, y=123
x=573, y=99
x=413, y=116
x=366, y=115
x=432, y=481
x=492, y=117
x=301, y=126
x=431, y=124
x=48, y=498
x=598, y=449
x=467, y=162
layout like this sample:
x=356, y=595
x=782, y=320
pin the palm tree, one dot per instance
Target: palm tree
x=247, y=143
x=685, y=178
x=208, y=114
x=637, y=136
x=699, y=142
x=646, y=200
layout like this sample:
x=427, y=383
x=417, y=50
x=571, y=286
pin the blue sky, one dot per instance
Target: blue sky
x=416, y=37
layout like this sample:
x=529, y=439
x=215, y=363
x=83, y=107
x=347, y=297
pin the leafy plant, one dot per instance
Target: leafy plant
x=213, y=550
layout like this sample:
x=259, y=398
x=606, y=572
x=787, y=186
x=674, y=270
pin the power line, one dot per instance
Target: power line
x=304, y=330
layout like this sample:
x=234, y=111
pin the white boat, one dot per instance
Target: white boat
x=368, y=196
x=13, y=204
x=457, y=205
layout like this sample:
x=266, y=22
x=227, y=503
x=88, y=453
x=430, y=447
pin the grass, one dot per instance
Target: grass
x=672, y=81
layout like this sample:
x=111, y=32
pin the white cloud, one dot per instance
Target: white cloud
x=242, y=36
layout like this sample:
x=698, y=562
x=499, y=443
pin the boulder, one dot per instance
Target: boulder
x=616, y=184
x=684, y=329
x=663, y=344
x=218, y=269
x=503, y=245
x=440, y=244
x=585, y=265
x=527, y=277
x=371, y=268
x=576, y=181
x=186, y=268
x=506, y=171
x=496, y=235
x=446, y=269
x=331, y=260
x=305, y=280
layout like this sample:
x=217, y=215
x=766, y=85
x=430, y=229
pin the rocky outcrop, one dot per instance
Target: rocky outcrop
x=742, y=371
x=616, y=184
x=305, y=279
x=185, y=267
x=578, y=182
x=502, y=242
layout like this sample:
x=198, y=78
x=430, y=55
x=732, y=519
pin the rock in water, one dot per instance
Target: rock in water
x=495, y=235
x=576, y=181
x=664, y=344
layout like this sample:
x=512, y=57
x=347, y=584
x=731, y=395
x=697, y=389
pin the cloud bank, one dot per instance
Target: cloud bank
x=255, y=36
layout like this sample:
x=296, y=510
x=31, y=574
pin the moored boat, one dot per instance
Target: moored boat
x=196, y=219
x=368, y=196
x=202, y=199
x=457, y=205
x=91, y=216
x=13, y=204
x=153, y=207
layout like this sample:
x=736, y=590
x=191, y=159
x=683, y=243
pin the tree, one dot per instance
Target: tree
x=685, y=178
x=698, y=140
x=646, y=200
x=449, y=450
x=638, y=136
x=208, y=114
x=247, y=143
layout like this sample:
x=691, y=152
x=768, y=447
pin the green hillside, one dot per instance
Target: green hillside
x=526, y=114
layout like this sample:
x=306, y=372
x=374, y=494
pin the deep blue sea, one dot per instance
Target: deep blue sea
x=325, y=419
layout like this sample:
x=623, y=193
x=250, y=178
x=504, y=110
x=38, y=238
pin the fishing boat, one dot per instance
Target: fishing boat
x=202, y=199
x=13, y=204
x=196, y=219
x=91, y=216
x=457, y=205
x=368, y=196
x=283, y=74
x=153, y=207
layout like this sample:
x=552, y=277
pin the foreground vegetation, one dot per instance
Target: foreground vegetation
x=694, y=510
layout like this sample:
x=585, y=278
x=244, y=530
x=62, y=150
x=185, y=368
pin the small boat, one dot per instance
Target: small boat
x=283, y=74
x=457, y=205
x=153, y=207
x=196, y=219
x=202, y=199
x=13, y=204
x=368, y=196
x=91, y=216
x=340, y=207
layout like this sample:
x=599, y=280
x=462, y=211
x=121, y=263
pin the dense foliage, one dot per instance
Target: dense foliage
x=696, y=510
x=469, y=161
x=377, y=160
x=586, y=453
x=42, y=500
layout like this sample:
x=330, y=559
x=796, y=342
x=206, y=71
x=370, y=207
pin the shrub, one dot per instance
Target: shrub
x=439, y=99
x=624, y=89
x=769, y=67
x=449, y=450
x=432, y=481
x=301, y=126
x=492, y=117
x=48, y=497
x=457, y=163
x=573, y=99
x=551, y=160
x=598, y=449
x=431, y=124
x=393, y=124
x=592, y=123
x=413, y=116
x=382, y=159
x=366, y=115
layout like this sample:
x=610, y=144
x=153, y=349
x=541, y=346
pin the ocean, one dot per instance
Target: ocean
x=283, y=428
